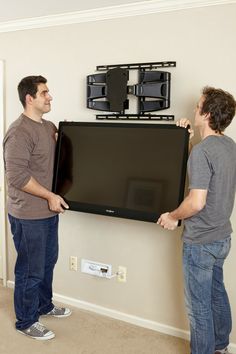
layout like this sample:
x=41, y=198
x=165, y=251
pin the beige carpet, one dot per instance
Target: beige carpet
x=83, y=333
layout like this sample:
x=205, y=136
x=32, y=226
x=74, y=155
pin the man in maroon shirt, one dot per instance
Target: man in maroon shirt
x=29, y=148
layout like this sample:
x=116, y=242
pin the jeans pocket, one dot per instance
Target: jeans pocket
x=226, y=247
x=202, y=257
x=220, y=248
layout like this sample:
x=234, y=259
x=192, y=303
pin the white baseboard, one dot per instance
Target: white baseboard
x=138, y=321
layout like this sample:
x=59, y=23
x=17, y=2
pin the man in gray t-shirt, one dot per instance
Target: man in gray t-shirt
x=206, y=212
x=212, y=167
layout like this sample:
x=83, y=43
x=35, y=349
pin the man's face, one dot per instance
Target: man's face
x=42, y=102
x=199, y=118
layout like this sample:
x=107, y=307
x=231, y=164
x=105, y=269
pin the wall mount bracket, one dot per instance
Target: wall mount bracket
x=109, y=90
x=136, y=66
x=146, y=117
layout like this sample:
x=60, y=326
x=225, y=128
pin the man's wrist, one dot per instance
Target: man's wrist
x=49, y=195
x=172, y=215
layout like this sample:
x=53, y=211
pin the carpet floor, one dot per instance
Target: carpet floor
x=84, y=333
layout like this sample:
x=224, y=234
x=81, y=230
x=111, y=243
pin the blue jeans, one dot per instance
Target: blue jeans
x=205, y=295
x=36, y=243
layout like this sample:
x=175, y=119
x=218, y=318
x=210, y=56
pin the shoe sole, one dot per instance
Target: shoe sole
x=51, y=336
x=58, y=316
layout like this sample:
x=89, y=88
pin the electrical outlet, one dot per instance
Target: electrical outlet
x=73, y=263
x=122, y=274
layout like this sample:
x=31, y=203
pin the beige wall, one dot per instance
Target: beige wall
x=202, y=41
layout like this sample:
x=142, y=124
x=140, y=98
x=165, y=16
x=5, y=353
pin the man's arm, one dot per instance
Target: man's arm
x=191, y=205
x=55, y=202
x=16, y=156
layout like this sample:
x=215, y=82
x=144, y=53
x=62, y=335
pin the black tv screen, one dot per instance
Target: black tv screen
x=129, y=170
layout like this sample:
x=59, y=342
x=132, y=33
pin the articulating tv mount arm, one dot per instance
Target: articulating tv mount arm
x=108, y=91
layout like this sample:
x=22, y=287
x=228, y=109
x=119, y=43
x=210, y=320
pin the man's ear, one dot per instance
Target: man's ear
x=28, y=99
x=207, y=116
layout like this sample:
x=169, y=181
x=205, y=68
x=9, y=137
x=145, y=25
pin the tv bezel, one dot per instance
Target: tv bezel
x=110, y=210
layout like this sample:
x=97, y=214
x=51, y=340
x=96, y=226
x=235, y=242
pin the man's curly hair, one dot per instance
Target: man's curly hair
x=220, y=105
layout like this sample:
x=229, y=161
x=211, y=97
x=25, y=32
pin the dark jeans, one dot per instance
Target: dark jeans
x=36, y=243
x=206, y=298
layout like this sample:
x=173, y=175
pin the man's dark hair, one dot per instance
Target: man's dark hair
x=221, y=107
x=29, y=85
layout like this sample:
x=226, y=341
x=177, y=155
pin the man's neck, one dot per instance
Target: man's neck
x=207, y=131
x=33, y=115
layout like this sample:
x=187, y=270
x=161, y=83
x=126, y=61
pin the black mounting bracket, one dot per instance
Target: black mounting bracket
x=108, y=91
x=136, y=66
x=167, y=117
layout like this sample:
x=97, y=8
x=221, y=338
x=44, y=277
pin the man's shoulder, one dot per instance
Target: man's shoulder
x=14, y=127
x=219, y=145
x=230, y=141
x=214, y=148
x=17, y=123
x=213, y=141
x=19, y=129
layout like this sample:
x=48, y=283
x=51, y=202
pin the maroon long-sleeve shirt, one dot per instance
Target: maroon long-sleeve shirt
x=29, y=149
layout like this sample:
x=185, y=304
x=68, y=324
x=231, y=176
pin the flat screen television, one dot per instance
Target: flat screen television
x=129, y=170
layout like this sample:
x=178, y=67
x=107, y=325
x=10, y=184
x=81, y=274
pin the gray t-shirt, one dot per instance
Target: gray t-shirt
x=29, y=149
x=212, y=166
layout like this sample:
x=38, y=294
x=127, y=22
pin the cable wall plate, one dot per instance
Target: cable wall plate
x=96, y=268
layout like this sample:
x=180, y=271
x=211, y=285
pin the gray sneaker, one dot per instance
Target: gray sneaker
x=59, y=312
x=37, y=331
